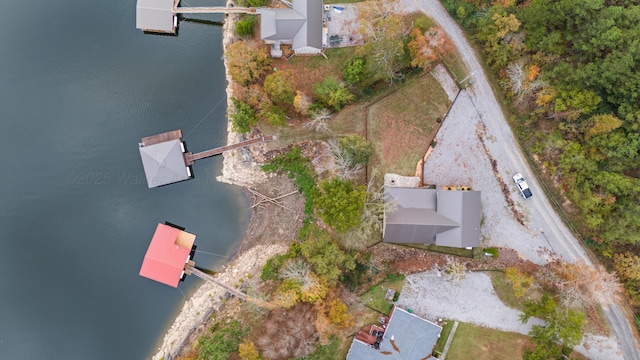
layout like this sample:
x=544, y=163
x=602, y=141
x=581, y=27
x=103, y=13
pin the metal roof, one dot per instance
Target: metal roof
x=168, y=251
x=413, y=336
x=155, y=15
x=164, y=163
x=430, y=216
x=301, y=25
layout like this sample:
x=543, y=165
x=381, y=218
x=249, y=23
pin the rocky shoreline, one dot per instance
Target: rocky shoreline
x=238, y=169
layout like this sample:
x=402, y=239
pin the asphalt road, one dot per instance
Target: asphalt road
x=542, y=214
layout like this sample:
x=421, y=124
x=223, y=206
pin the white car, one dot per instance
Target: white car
x=522, y=186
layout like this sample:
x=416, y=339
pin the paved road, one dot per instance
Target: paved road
x=543, y=216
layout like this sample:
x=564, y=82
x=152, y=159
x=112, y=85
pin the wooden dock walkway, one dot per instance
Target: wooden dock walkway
x=190, y=158
x=213, y=10
x=160, y=138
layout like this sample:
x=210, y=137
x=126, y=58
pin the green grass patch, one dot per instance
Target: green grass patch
x=374, y=298
x=402, y=124
x=493, y=251
x=444, y=335
x=477, y=343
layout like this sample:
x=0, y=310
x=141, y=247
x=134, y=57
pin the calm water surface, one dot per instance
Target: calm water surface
x=79, y=87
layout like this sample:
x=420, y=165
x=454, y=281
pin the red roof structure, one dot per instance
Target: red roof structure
x=168, y=252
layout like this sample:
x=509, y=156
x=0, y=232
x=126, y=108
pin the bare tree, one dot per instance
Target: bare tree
x=319, y=120
x=455, y=270
x=520, y=84
x=342, y=165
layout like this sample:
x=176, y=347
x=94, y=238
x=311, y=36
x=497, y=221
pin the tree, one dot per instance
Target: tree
x=354, y=70
x=301, y=102
x=427, y=47
x=520, y=282
x=340, y=203
x=223, y=340
x=319, y=120
x=244, y=27
x=325, y=256
x=280, y=87
x=247, y=61
x=563, y=327
x=247, y=351
x=274, y=115
x=243, y=117
x=602, y=124
x=499, y=33
x=333, y=93
x=384, y=46
x=627, y=265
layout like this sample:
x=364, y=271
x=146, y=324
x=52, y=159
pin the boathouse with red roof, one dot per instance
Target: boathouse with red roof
x=170, y=249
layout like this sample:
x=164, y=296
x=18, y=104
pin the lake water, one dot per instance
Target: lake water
x=79, y=87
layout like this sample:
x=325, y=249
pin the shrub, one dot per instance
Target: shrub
x=423, y=23
x=341, y=203
x=243, y=117
x=354, y=70
x=493, y=251
x=275, y=116
x=244, y=27
x=280, y=87
x=333, y=93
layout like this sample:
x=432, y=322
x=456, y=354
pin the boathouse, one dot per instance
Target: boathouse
x=171, y=248
x=157, y=16
x=163, y=159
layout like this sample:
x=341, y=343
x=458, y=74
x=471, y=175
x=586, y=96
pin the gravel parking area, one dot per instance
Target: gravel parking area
x=460, y=158
x=471, y=300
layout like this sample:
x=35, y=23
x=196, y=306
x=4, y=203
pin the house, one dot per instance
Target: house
x=300, y=26
x=170, y=249
x=400, y=336
x=432, y=216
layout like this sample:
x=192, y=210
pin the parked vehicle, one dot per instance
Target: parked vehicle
x=522, y=186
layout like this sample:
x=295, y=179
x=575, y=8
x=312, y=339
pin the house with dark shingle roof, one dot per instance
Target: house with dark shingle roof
x=432, y=216
x=405, y=336
x=300, y=26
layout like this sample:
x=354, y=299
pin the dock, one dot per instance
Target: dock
x=160, y=138
x=213, y=10
x=190, y=158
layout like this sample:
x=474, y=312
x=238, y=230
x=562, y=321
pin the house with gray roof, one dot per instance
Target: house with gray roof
x=405, y=336
x=432, y=216
x=300, y=26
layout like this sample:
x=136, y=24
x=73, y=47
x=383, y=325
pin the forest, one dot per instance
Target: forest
x=570, y=69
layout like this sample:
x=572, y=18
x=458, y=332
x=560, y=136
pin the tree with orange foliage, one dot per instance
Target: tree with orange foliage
x=426, y=48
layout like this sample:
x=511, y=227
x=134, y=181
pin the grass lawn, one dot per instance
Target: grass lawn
x=444, y=335
x=374, y=298
x=402, y=124
x=477, y=343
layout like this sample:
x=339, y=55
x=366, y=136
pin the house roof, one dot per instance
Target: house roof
x=164, y=163
x=168, y=251
x=413, y=337
x=155, y=15
x=301, y=24
x=430, y=216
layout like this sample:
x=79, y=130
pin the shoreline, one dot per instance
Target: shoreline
x=238, y=169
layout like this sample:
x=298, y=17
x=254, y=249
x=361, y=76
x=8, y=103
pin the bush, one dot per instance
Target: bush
x=280, y=87
x=354, y=70
x=333, y=93
x=341, y=203
x=275, y=116
x=244, y=27
x=243, y=117
x=423, y=23
x=222, y=342
x=493, y=251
